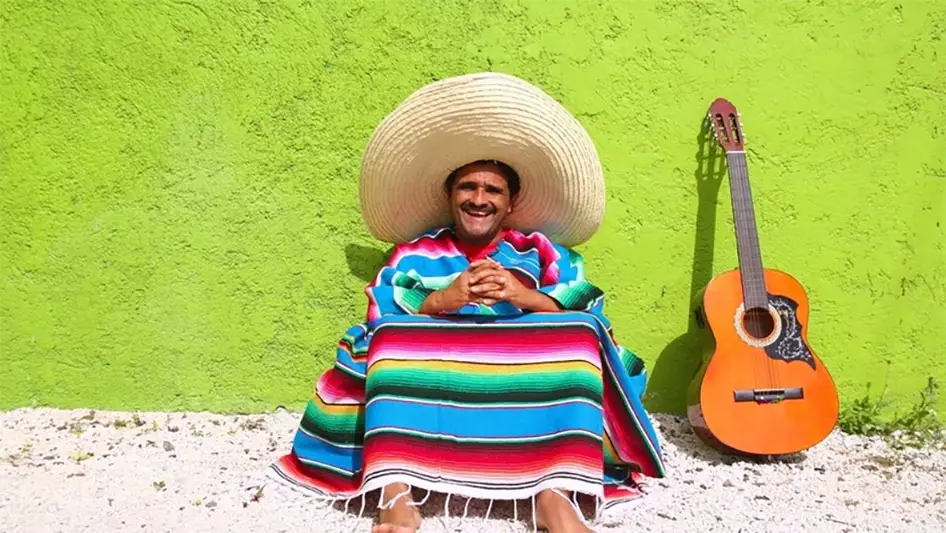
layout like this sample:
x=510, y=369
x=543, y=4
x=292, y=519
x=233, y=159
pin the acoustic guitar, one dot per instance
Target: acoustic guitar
x=760, y=389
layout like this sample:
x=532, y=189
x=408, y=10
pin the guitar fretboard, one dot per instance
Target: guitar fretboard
x=747, y=236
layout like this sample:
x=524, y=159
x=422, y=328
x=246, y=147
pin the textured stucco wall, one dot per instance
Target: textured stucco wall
x=179, y=211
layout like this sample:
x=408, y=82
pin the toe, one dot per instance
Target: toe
x=390, y=528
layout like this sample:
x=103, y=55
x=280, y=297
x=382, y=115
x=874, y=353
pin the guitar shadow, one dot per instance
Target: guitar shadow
x=679, y=360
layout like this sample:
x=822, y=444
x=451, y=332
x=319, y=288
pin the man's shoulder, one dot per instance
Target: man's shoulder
x=440, y=234
x=430, y=242
x=535, y=239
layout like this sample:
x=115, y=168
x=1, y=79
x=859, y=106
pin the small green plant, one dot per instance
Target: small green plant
x=918, y=426
x=862, y=417
x=80, y=456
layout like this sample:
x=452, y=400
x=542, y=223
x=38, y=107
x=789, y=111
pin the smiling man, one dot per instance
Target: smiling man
x=481, y=196
x=486, y=367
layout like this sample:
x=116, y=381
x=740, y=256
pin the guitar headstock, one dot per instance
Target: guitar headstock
x=726, y=125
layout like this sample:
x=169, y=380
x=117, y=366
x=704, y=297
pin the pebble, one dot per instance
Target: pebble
x=81, y=471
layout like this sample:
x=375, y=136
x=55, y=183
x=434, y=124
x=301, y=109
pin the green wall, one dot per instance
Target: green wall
x=180, y=224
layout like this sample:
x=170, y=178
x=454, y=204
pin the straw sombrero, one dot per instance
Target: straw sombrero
x=458, y=120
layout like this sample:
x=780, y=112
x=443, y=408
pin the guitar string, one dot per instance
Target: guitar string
x=758, y=278
x=753, y=276
x=746, y=273
x=758, y=371
x=755, y=285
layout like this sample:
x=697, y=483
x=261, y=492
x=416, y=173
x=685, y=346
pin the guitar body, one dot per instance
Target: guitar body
x=760, y=389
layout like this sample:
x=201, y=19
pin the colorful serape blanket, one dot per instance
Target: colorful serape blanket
x=488, y=403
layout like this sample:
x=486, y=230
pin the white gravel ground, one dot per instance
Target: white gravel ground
x=76, y=471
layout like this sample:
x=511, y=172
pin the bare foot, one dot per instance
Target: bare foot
x=556, y=514
x=401, y=518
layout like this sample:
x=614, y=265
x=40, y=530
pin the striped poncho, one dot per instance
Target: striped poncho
x=490, y=402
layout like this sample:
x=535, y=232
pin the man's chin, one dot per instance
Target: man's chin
x=477, y=226
x=477, y=233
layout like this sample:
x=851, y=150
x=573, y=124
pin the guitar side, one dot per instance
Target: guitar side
x=708, y=347
x=795, y=402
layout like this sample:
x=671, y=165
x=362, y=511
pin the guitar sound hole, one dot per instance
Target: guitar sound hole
x=758, y=323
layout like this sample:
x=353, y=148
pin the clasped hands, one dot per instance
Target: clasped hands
x=487, y=283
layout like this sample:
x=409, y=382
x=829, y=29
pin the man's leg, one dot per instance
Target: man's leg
x=556, y=514
x=402, y=517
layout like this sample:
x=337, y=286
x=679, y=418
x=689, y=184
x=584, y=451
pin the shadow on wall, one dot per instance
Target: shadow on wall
x=679, y=360
x=365, y=261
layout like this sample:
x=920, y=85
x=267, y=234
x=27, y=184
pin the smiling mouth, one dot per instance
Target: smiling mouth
x=478, y=214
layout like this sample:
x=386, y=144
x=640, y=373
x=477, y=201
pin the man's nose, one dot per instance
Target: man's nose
x=479, y=197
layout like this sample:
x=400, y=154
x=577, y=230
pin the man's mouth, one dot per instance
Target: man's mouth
x=478, y=213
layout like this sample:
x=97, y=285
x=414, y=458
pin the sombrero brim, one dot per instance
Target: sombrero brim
x=455, y=121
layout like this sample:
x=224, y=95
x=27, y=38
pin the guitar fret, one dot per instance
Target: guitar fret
x=747, y=240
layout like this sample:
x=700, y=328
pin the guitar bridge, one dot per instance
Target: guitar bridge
x=768, y=395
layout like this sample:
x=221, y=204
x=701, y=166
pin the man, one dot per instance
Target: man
x=486, y=367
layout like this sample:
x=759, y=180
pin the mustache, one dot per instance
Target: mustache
x=470, y=206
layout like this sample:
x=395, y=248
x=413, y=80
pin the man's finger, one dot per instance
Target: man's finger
x=479, y=263
x=483, y=288
x=482, y=264
x=486, y=277
x=483, y=300
x=494, y=295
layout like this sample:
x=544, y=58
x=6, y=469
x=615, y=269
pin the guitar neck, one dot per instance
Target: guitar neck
x=747, y=235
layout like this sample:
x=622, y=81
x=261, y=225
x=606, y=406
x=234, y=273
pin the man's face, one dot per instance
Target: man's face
x=479, y=201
